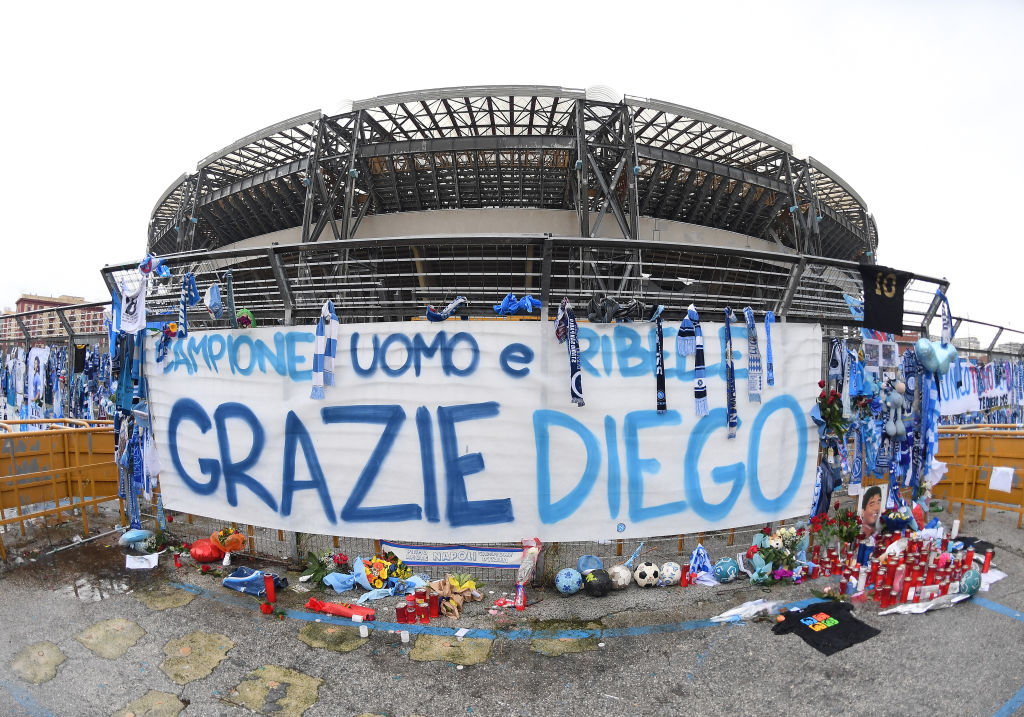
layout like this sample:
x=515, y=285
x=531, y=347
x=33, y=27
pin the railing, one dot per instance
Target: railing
x=64, y=469
x=971, y=454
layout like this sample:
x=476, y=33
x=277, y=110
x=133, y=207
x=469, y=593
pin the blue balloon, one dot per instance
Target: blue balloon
x=586, y=563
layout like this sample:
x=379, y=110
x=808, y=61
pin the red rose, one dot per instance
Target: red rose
x=821, y=383
x=836, y=506
x=821, y=395
x=831, y=399
x=170, y=518
x=186, y=546
x=751, y=551
x=766, y=531
x=266, y=608
x=205, y=568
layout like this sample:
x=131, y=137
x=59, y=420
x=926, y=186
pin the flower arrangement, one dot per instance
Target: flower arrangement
x=844, y=525
x=380, y=568
x=775, y=556
x=830, y=406
x=320, y=566
x=228, y=539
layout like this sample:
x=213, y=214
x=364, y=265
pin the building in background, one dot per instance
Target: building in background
x=47, y=325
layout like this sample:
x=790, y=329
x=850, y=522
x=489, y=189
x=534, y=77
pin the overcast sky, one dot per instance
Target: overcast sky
x=916, y=104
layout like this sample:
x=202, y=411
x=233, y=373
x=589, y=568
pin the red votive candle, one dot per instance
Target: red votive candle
x=424, y=611
x=988, y=561
x=435, y=605
x=400, y=613
x=268, y=583
x=969, y=559
x=410, y=612
x=421, y=594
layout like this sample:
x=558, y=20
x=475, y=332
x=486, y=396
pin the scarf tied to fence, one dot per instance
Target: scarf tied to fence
x=566, y=331
x=769, y=319
x=753, y=358
x=700, y=389
x=189, y=297
x=730, y=376
x=659, y=365
x=324, y=350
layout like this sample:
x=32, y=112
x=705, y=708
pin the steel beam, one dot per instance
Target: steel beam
x=67, y=324
x=795, y=274
x=623, y=227
x=281, y=277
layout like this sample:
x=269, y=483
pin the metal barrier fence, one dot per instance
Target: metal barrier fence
x=64, y=469
x=971, y=454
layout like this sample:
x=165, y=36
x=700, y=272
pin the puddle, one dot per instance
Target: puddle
x=89, y=588
x=89, y=573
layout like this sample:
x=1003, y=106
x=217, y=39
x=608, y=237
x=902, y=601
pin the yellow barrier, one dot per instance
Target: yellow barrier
x=70, y=465
x=971, y=454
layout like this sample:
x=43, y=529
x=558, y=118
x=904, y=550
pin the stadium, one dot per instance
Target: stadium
x=400, y=201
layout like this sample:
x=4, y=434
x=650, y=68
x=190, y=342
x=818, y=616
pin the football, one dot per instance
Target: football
x=621, y=577
x=568, y=581
x=970, y=582
x=597, y=583
x=646, y=575
x=671, y=572
x=726, y=570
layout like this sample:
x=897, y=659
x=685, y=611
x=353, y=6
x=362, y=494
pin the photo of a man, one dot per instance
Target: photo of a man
x=870, y=509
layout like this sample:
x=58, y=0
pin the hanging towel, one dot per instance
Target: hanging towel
x=566, y=331
x=753, y=358
x=213, y=302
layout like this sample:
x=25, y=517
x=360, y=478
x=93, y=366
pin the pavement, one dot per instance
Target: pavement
x=84, y=636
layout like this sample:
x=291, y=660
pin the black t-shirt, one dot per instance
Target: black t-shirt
x=827, y=626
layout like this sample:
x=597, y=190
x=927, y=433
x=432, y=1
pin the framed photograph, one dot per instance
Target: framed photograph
x=870, y=506
x=872, y=356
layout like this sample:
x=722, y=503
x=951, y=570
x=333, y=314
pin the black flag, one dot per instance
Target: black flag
x=883, y=297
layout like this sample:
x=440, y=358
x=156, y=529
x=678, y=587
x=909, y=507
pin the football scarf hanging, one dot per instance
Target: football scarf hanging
x=753, y=358
x=189, y=297
x=837, y=363
x=566, y=331
x=686, y=339
x=730, y=376
x=883, y=297
x=435, y=315
x=700, y=389
x=232, y=316
x=769, y=319
x=659, y=367
x=324, y=350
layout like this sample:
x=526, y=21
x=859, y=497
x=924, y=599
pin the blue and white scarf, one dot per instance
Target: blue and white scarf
x=700, y=388
x=686, y=339
x=566, y=331
x=189, y=297
x=769, y=319
x=324, y=350
x=730, y=376
x=435, y=315
x=753, y=359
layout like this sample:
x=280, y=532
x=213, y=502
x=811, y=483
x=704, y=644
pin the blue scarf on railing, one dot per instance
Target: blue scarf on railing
x=700, y=388
x=566, y=331
x=730, y=376
x=769, y=319
x=659, y=366
x=753, y=358
x=189, y=297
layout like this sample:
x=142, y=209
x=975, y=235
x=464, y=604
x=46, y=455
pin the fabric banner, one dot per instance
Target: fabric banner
x=959, y=391
x=441, y=432
x=883, y=297
x=465, y=555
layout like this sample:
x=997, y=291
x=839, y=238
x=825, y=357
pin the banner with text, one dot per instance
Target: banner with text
x=959, y=391
x=464, y=431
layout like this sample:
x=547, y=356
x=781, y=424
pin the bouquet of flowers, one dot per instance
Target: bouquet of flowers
x=379, y=569
x=320, y=566
x=775, y=555
x=228, y=539
x=844, y=525
x=830, y=406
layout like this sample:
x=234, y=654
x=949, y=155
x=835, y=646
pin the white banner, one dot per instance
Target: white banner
x=463, y=431
x=958, y=390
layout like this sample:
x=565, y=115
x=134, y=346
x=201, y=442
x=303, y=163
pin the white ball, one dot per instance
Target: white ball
x=646, y=575
x=621, y=577
x=671, y=572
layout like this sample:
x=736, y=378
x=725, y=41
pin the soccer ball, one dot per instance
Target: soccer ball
x=568, y=581
x=670, y=573
x=586, y=563
x=726, y=570
x=597, y=583
x=646, y=575
x=970, y=582
x=621, y=577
